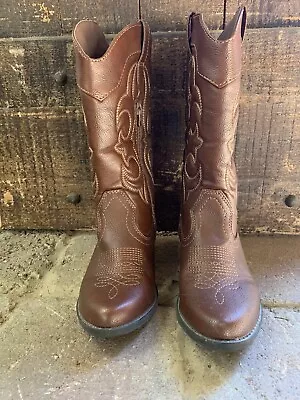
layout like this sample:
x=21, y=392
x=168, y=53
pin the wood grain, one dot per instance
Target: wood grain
x=267, y=13
x=112, y=16
x=28, y=18
x=44, y=158
x=43, y=155
x=169, y=15
x=29, y=68
x=165, y=15
x=28, y=72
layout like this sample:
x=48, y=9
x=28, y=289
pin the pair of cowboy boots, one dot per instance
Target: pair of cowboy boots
x=218, y=301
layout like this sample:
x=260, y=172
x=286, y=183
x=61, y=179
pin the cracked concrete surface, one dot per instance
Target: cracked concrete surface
x=44, y=353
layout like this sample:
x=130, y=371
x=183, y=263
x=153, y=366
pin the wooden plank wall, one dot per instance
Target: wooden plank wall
x=43, y=152
x=57, y=17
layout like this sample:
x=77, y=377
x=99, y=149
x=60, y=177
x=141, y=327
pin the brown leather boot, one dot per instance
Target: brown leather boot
x=118, y=292
x=219, y=302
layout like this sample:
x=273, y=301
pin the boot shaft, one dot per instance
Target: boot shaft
x=218, y=300
x=213, y=95
x=118, y=292
x=114, y=85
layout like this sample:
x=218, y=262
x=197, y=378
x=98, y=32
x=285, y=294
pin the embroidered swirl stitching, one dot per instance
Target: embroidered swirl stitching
x=130, y=219
x=230, y=174
x=213, y=267
x=132, y=129
x=219, y=85
x=205, y=197
x=192, y=168
x=120, y=267
x=95, y=178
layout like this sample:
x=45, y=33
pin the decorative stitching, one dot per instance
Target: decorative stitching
x=147, y=146
x=83, y=53
x=146, y=45
x=218, y=85
x=193, y=140
x=214, y=267
x=144, y=239
x=204, y=197
x=120, y=267
x=134, y=231
x=132, y=141
x=95, y=177
x=205, y=30
x=96, y=96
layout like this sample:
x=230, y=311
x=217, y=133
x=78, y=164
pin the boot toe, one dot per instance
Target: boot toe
x=232, y=319
x=125, y=308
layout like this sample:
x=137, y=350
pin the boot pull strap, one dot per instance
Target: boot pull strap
x=145, y=42
x=189, y=30
x=236, y=25
x=244, y=22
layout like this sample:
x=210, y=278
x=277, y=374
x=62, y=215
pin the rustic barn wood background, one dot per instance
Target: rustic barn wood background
x=43, y=151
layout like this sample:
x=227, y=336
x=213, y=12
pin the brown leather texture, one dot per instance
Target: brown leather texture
x=114, y=83
x=218, y=297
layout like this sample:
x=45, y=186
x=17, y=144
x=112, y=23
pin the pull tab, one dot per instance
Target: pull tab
x=189, y=30
x=139, y=114
x=244, y=22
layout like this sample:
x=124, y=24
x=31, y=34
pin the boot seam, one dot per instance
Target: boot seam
x=83, y=53
x=100, y=98
x=218, y=85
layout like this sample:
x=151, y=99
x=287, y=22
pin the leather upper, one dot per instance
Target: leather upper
x=114, y=84
x=218, y=296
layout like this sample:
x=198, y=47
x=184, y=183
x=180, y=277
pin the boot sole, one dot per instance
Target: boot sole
x=219, y=344
x=107, y=333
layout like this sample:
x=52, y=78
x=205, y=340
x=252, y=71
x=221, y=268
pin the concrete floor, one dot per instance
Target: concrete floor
x=44, y=354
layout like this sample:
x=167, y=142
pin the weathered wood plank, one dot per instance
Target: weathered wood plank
x=41, y=166
x=30, y=18
x=164, y=15
x=111, y=15
x=29, y=67
x=43, y=158
x=169, y=15
x=32, y=71
x=54, y=17
x=267, y=13
x=267, y=158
